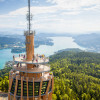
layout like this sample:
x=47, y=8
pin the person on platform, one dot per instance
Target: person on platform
x=13, y=58
x=32, y=60
x=37, y=60
x=17, y=64
x=19, y=55
x=24, y=57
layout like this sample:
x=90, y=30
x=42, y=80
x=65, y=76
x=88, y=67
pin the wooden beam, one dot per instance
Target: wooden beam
x=44, y=97
x=33, y=88
x=27, y=88
x=50, y=96
x=52, y=83
x=22, y=88
x=40, y=90
x=48, y=87
x=10, y=84
x=16, y=87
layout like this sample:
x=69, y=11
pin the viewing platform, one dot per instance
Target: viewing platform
x=37, y=69
x=36, y=60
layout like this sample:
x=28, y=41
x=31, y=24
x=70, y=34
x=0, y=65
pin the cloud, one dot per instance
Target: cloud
x=74, y=4
x=59, y=17
x=35, y=1
x=71, y=13
x=68, y=7
x=69, y=26
x=93, y=8
x=6, y=16
x=34, y=10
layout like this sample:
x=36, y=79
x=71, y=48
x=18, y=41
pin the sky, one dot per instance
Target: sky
x=51, y=16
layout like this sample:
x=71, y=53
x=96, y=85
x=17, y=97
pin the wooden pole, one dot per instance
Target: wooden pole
x=40, y=90
x=22, y=88
x=27, y=88
x=33, y=88
x=10, y=84
x=16, y=87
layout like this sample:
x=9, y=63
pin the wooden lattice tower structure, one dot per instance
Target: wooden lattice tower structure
x=30, y=77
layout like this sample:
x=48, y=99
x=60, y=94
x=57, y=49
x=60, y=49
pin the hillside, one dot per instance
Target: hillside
x=77, y=75
x=89, y=41
x=17, y=42
x=4, y=79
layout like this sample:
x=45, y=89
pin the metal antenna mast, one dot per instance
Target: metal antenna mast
x=29, y=19
x=29, y=23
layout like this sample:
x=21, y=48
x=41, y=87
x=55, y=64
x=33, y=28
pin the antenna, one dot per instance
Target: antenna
x=29, y=17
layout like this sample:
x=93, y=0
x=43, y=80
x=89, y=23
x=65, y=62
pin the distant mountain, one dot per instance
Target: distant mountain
x=54, y=34
x=70, y=49
x=17, y=42
x=89, y=41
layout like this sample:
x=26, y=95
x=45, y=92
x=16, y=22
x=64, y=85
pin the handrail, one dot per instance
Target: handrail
x=35, y=59
x=41, y=68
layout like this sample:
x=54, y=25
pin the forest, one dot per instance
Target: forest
x=4, y=79
x=77, y=76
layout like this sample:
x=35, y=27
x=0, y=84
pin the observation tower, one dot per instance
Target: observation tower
x=30, y=77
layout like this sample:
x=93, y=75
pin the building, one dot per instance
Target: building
x=30, y=77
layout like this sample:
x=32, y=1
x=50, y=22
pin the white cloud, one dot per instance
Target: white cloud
x=93, y=8
x=18, y=12
x=74, y=4
x=70, y=26
x=59, y=17
x=68, y=7
x=35, y=1
x=34, y=10
x=6, y=16
x=71, y=13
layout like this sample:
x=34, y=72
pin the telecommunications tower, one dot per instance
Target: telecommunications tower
x=30, y=77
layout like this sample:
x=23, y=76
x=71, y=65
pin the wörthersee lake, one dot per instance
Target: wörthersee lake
x=59, y=44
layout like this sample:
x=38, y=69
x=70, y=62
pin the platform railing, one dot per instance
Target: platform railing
x=45, y=76
x=36, y=58
x=40, y=68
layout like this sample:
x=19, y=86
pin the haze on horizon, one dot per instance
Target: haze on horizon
x=51, y=16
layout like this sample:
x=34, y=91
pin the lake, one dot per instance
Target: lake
x=59, y=44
